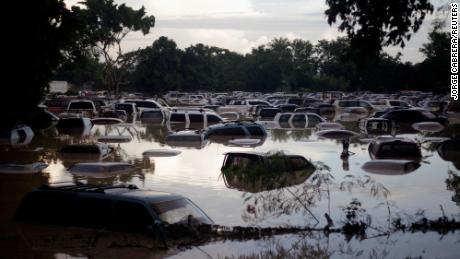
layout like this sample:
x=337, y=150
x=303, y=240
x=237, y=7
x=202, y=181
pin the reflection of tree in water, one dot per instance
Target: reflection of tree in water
x=279, y=135
x=453, y=184
x=283, y=135
x=300, y=134
x=289, y=200
x=303, y=197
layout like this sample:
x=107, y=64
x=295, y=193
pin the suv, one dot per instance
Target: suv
x=237, y=129
x=119, y=208
x=85, y=107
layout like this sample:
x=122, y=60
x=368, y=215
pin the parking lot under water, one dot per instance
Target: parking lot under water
x=430, y=191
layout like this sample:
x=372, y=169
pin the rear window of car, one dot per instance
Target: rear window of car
x=81, y=106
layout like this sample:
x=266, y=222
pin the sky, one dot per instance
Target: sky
x=240, y=25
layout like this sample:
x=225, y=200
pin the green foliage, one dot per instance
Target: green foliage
x=46, y=30
x=104, y=26
x=370, y=24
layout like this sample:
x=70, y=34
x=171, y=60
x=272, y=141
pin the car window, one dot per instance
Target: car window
x=130, y=216
x=313, y=120
x=299, y=118
x=178, y=117
x=284, y=117
x=195, y=117
x=180, y=212
x=81, y=106
x=212, y=118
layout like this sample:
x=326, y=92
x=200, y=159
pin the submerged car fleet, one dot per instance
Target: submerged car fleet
x=238, y=119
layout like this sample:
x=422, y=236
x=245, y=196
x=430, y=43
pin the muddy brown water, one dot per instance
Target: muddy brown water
x=195, y=173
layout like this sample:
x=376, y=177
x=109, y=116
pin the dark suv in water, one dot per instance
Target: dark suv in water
x=117, y=208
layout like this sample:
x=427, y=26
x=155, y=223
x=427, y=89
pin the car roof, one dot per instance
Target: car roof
x=120, y=191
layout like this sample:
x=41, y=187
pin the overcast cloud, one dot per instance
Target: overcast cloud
x=240, y=25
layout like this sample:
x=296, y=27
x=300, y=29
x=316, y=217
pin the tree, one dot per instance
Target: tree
x=35, y=51
x=371, y=24
x=106, y=24
x=158, y=67
x=433, y=73
x=80, y=70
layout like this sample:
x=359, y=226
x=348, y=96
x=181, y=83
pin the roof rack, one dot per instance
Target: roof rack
x=80, y=187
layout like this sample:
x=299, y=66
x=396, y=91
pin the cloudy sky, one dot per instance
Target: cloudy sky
x=240, y=25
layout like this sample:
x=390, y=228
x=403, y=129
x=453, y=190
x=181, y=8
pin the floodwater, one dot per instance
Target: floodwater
x=430, y=191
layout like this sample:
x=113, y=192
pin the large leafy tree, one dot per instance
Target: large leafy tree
x=158, y=67
x=46, y=30
x=105, y=25
x=373, y=24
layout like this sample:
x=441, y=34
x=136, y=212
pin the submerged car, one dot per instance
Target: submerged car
x=124, y=208
x=376, y=126
x=395, y=148
x=187, y=138
x=74, y=126
x=85, y=151
x=256, y=172
x=390, y=166
x=242, y=128
x=102, y=169
x=411, y=116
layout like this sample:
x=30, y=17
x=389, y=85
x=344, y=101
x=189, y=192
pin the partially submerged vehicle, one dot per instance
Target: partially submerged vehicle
x=32, y=168
x=329, y=126
x=395, y=148
x=74, y=126
x=19, y=136
x=452, y=112
x=161, y=152
x=390, y=166
x=376, y=126
x=267, y=113
x=242, y=128
x=296, y=120
x=187, y=138
x=354, y=106
x=85, y=107
x=428, y=126
x=337, y=134
x=257, y=172
x=449, y=150
x=78, y=152
x=414, y=115
x=39, y=118
x=152, y=116
x=194, y=116
x=114, y=139
x=122, y=208
x=102, y=169
x=245, y=142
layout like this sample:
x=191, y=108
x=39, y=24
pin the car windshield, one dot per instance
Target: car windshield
x=179, y=211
